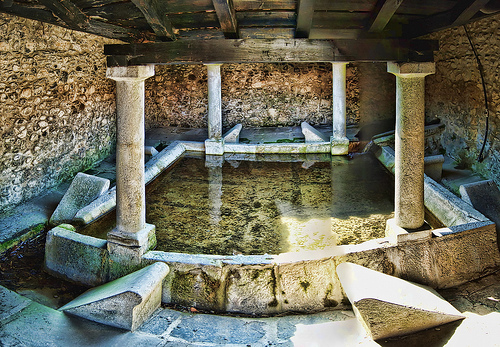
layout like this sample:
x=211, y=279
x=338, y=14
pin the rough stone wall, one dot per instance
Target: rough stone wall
x=455, y=95
x=252, y=94
x=57, y=109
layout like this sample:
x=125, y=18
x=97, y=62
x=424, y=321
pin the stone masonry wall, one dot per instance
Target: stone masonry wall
x=57, y=109
x=455, y=95
x=252, y=94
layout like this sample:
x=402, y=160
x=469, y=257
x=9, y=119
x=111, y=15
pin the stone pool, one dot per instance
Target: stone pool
x=276, y=204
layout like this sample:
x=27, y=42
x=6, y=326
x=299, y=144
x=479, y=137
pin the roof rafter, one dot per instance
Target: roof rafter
x=460, y=14
x=68, y=12
x=227, y=18
x=305, y=13
x=382, y=14
x=157, y=18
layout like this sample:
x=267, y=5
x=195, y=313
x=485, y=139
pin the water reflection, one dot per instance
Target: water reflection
x=235, y=204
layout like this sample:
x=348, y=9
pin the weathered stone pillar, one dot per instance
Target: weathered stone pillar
x=215, y=143
x=339, y=141
x=409, y=146
x=131, y=229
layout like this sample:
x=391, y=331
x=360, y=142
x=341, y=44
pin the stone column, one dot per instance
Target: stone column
x=131, y=229
x=409, y=146
x=339, y=141
x=214, y=145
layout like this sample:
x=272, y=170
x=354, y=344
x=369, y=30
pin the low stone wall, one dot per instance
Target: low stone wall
x=454, y=94
x=252, y=94
x=57, y=109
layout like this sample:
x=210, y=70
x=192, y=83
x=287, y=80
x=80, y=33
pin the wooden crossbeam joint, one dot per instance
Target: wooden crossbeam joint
x=68, y=12
x=157, y=18
x=227, y=18
x=382, y=14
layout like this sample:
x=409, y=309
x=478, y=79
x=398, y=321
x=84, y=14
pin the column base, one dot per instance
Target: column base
x=340, y=145
x=214, y=147
x=139, y=242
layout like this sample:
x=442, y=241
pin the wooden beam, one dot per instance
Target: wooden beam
x=382, y=14
x=227, y=18
x=157, y=18
x=68, y=12
x=266, y=51
x=460, y=14
x=305, y=13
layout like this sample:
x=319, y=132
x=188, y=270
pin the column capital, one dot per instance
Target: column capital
x=130, y=73
x=212, y=64
x=411, y=69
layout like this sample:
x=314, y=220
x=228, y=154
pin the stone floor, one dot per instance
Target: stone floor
x=24, y=322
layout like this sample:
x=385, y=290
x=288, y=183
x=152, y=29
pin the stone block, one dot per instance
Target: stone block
x=311, y=134
x=308, y=286
x=83, y=190
x=97, y=208
x=125, y=302
x=214, y=147
x=233, y=135
x=484, y=196
x=251, y=289
x=388, y=306
x=79, y=258
x=339, y=145
x=433, y=166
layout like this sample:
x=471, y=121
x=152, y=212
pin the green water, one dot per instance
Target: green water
x=258, y=207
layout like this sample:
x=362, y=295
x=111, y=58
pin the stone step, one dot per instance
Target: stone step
x=388, y=306
x=125, y=302
x=83, y=190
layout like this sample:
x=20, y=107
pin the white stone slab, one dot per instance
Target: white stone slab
x=125, y=302
x=233, y=135
x=83, y=190
x=311, y=134
x=388, y=306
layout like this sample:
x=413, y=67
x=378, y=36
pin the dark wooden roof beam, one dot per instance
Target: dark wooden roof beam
x=227, y=18
x=269, y=51
x=68, y=12
x=156, y=16
x=305, y=13
x=460, y=14
x=382, y=14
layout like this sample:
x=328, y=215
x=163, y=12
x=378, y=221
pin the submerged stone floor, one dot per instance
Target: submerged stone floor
x=27, y=322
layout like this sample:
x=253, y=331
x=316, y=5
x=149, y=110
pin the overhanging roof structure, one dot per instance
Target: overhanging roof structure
x=352, y=28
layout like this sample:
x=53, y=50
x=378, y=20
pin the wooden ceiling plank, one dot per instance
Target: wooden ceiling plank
x=305, y=13
x=382, y=14
x=460, y=14
x=157, y=18
x=265, y=51
x=227, y=18
x=469, y=10
x=68, y=12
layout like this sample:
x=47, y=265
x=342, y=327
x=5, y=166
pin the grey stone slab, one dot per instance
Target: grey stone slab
x=11, y=303
x=388, y=306
x=219, y=330
x=233, y=135
x=125, y=302
x=83, y=190
x=38, y=325
x=90, y=267
x=311, y=134
x=160, y=321
x=484, y=196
